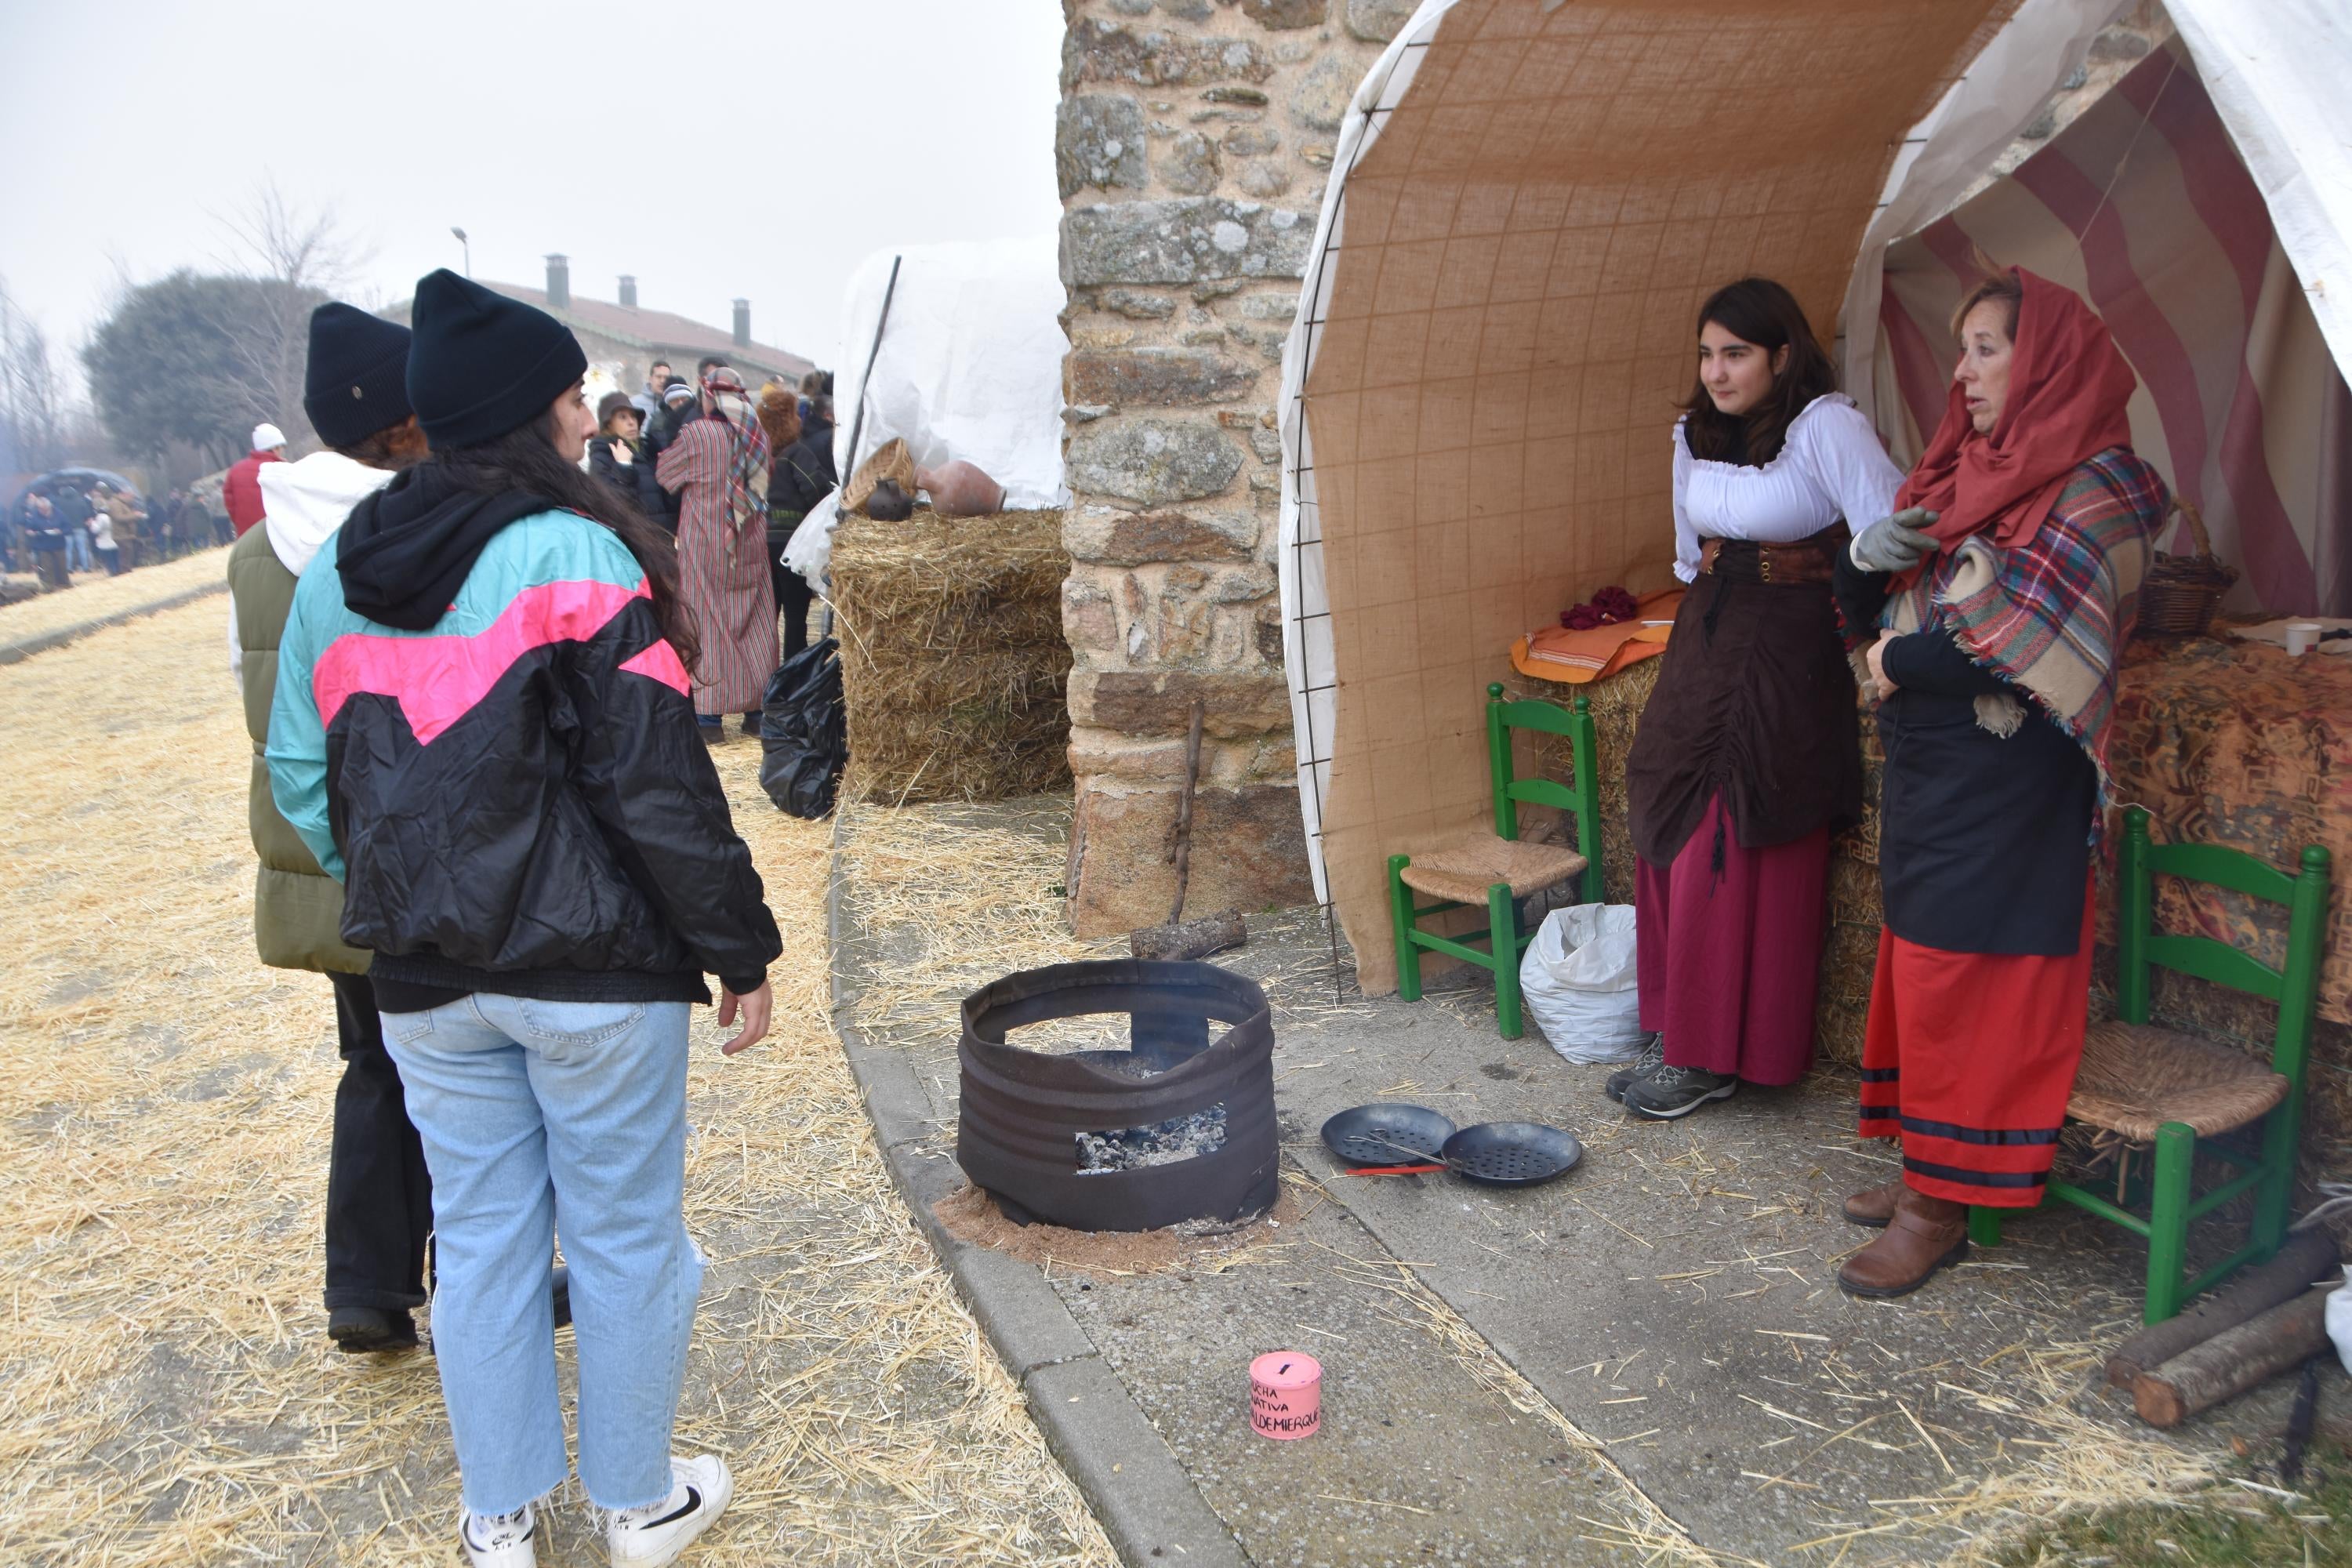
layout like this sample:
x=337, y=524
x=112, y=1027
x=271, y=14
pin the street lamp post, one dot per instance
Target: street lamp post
x=466, y=248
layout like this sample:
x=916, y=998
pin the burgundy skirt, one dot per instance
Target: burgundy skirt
x=1728, y=950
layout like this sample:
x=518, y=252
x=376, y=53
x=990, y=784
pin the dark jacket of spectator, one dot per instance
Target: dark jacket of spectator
x=633, y=479
x=804, y=473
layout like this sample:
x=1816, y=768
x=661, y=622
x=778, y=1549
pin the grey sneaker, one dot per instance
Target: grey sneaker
x=1673, y=1092
x=1652, y=1058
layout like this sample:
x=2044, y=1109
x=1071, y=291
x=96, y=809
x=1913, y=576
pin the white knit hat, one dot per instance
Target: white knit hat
x=267, y=437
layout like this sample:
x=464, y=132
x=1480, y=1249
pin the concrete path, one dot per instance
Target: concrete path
x=1649, y=1354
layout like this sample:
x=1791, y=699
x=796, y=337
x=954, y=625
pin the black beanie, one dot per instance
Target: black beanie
x=483, y=364
x=358, y=380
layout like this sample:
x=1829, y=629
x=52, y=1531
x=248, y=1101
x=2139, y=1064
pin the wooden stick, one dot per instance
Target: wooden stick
x=2308, y=1254
x=1183, y=848
x=1190, y=939
x=2233, y=1361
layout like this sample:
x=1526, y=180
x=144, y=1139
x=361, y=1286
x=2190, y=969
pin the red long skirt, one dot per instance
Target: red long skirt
x=1729, y=959
x=1969, y=1058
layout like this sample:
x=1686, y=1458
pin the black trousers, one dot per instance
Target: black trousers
x=794, y=595
x=379, y=1195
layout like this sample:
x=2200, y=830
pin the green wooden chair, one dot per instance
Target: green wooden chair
x=1498, y=868
x=2153, y=1086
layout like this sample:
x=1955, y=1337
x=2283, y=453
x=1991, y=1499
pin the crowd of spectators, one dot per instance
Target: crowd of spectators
x=65, y=523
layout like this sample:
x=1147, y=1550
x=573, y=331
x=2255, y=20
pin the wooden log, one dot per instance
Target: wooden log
x=2233, y=1361
x=1190, y=939
x=2308, y=1254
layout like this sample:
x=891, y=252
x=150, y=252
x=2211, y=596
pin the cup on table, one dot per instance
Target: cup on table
x=2302, y=637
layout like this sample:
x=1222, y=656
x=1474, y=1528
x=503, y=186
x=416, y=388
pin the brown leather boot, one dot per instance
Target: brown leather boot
x=1873, y=1207
x=1925, y=1234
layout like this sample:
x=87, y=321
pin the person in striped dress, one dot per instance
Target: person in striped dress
x=717, y=468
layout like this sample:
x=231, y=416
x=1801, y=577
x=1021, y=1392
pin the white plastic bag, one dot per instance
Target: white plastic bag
x=810, y=549
x=2339, y=1319
x=1578, y=983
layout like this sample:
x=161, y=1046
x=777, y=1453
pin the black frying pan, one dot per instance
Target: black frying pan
x=1387, y=1134
x=1511, y=1153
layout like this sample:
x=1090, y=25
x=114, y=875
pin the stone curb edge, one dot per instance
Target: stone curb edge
x=1148, y=1507
x=17, y=652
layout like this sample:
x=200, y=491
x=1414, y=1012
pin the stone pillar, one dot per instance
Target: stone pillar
x=1193, y=144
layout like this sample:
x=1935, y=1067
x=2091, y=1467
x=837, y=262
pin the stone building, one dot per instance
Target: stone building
x=1193, y=142
x=624, y=338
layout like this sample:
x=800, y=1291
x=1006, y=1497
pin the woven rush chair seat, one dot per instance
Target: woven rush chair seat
x=1463, y=870
x=1492, y=870
x=2134, y=1077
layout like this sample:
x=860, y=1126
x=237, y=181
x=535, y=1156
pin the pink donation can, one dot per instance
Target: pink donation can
x=1285, y=1395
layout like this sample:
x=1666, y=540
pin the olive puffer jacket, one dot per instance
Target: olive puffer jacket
x=298, y=908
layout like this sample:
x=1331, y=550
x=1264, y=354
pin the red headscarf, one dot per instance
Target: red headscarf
x=2068, y=390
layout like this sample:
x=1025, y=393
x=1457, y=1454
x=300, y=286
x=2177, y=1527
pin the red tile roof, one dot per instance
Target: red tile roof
x=663, y=331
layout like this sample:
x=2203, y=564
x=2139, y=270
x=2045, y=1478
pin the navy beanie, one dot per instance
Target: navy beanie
x=483, y=364
x=358, y=379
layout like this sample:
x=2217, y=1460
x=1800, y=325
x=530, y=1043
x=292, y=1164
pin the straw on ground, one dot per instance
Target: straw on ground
x=95, y=596
x=163, y=1117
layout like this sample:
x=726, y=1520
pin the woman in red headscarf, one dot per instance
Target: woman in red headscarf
x=2003, y=601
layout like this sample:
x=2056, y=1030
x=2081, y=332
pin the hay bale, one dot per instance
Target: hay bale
x=953, y=658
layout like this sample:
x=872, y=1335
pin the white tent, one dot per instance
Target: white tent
x=1530, y=198
x=969, y=366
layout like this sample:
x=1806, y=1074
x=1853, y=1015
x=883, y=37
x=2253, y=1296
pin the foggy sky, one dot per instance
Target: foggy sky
x=758, y=149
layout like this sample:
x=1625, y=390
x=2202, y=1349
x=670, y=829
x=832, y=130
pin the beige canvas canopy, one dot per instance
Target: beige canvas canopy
x=1530, y=201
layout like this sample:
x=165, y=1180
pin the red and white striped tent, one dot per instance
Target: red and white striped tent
x=1530, y=198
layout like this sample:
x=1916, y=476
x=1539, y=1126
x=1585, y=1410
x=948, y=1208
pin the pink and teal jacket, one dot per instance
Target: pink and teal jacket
x=516, y=799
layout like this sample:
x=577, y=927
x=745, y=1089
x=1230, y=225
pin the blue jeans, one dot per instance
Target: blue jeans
x=539, y=1116
x=76, y=549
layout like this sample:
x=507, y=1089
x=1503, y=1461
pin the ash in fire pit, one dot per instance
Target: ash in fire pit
x=1161, y=1143
x=1181, y=1127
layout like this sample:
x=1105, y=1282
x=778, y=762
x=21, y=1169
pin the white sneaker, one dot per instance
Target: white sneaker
x=655, y=1535
x=499, y=1540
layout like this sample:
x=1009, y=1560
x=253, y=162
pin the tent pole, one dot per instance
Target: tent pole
x=865, y=382
x=857, y=426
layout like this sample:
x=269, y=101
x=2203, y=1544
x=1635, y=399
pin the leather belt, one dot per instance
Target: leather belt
x=1813, y=560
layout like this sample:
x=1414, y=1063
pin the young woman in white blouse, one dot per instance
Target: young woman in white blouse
x=1749, y=751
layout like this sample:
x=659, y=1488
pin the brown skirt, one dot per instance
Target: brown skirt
x=1756, y=702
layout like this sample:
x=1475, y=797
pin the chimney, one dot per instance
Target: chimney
x=559, y=281
x=628, y=292
x=742, y=324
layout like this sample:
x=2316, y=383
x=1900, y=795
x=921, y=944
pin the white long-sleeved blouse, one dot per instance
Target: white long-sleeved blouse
x=1829, y=466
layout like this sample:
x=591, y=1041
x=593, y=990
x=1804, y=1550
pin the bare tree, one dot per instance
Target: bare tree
x=32, y=398
x=306, y=256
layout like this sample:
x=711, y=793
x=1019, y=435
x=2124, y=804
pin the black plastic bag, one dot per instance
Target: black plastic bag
x=804, y=732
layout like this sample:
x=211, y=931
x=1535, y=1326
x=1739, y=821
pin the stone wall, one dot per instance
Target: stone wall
x=1193, y=142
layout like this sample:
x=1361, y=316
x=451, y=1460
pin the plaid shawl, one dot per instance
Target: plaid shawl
x=746, y=462
x=2051, y=614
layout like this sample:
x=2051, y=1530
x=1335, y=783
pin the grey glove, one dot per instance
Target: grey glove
x=1895, y=543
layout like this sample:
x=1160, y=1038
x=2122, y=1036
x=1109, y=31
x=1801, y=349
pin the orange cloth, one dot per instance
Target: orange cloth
x=1577, y=658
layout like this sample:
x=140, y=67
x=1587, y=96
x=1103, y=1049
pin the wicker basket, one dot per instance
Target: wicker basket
x=2177, y=598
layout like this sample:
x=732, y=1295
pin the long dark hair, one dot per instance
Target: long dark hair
x=1759, y=311
x=525, y=459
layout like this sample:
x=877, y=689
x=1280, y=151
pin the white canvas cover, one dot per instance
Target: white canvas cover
x=970, y=368
x=970, y=364
x=2269, y=69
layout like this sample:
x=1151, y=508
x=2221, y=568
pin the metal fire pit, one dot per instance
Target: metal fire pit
x=1023, y=1112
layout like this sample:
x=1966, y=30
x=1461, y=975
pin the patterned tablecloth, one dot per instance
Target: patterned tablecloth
x=2235, y=742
